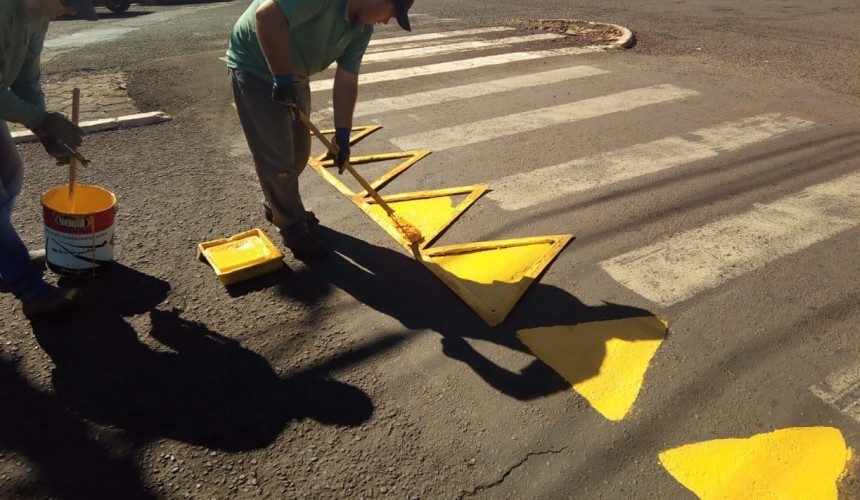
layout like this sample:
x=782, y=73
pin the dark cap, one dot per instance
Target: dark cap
x=401, y=9
x=83, y=9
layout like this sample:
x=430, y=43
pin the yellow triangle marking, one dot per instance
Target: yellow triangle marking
x=604, y=361
x=324, y=168
x=492, y=276
x=804, y=462
x=429, y=211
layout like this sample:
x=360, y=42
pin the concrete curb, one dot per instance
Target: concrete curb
x=129, y=121
x=625, y=41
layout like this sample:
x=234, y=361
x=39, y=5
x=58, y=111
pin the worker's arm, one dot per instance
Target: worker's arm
x=24, y=101
x=273, y=33
x=345, y=94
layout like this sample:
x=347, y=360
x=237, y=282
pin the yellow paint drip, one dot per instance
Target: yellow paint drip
x=790, y=463
x=604, y=361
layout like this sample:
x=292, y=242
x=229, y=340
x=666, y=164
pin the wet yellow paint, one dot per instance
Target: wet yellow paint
x=429, y=215
x=492, y=276
x=87, y=200
x=502, y=269
x=604, y=361
x=241, y=253
x=790, y=463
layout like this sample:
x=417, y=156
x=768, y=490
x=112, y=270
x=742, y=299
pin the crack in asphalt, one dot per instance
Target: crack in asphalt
x=487, y=486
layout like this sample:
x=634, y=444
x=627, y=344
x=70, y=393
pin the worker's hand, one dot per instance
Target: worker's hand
x=284, y=93
x=59, y=129
x=341, y=140
x=60, y=152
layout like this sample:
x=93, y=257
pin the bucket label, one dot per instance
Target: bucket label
x=76, y=244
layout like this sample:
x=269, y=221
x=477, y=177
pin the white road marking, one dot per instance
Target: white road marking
x=536, y=119
x=461, y=65
x=435, y=36
x=678, y=268
x=546, y=184
x=842, y=391
x=453, y=48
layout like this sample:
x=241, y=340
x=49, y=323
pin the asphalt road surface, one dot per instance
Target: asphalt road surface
x=708, y=175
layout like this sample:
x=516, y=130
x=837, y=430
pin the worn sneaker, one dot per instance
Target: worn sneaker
x=306, y=247
x=310, y=216
x=50, y=300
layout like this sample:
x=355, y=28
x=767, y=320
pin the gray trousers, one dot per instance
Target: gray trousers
x=279, y=145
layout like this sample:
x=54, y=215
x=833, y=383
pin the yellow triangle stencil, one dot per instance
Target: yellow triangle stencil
x=604, y=361
x=492, y=276
x=804, y=462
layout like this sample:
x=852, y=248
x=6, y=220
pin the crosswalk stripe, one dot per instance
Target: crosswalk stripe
x=436, y=36
x=493, y=128
x=688, y=263
x=542, y=185
x=400, y=103
x=461, y=65
x=453, y=48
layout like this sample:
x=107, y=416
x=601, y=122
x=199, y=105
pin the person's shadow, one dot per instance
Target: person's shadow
x=194, y=386
x=397, y=285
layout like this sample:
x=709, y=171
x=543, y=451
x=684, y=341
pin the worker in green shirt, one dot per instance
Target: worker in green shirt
x=275, y=47
x=23, y=24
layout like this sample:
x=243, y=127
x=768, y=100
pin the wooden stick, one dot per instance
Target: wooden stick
x=408, y=230
x=73, y=164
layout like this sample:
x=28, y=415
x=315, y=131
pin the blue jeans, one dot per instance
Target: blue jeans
x=19, y=276
x=280, y=147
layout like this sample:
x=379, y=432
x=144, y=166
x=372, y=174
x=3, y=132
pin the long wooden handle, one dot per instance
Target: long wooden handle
x=73, y=164
x=367, y=187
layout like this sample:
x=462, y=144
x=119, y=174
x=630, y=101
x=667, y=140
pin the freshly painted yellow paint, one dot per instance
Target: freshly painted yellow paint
x=604, y=361
x=802, y=463
x=492, y=276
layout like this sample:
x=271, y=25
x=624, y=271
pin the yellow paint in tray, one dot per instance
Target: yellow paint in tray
x=242, y=256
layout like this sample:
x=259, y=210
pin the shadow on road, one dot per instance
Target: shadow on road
x=189, y=383
x=398, y=286
x=68, y=461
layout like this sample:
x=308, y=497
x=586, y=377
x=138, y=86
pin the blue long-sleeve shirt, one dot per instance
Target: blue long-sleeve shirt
x=22, y=36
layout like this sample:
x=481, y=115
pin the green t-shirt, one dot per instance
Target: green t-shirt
x=320, y=33
x=22, y=34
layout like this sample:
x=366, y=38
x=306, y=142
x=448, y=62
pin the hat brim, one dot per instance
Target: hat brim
x=403, y=19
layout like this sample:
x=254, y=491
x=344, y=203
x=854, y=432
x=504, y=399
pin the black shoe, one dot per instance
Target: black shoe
x=310, y=216
x=50, y=300
x=306, y=247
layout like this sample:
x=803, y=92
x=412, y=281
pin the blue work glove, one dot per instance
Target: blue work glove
x=341, y=140
x=284, y=93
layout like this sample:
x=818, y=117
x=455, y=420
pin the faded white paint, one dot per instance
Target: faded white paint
x=527, y=189
x=688, y=263
x=536, y=119
x=460, y=65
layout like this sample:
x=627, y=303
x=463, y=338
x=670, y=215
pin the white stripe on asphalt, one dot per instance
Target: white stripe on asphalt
x=387, y=104
x=546, y=184
x=678, y=268
x=461, y=65
x=453, y=48
x=842, y=390
x=493, y=128
x=435, y=36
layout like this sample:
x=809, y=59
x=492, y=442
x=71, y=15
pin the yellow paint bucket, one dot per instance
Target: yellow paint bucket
x=79, y=231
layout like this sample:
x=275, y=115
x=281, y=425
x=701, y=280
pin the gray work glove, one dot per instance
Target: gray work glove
x=60, y=137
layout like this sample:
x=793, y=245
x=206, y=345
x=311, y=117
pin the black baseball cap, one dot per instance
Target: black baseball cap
x=401, y=9
x=83, y=9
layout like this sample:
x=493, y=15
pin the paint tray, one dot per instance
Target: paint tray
x=241, y=257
